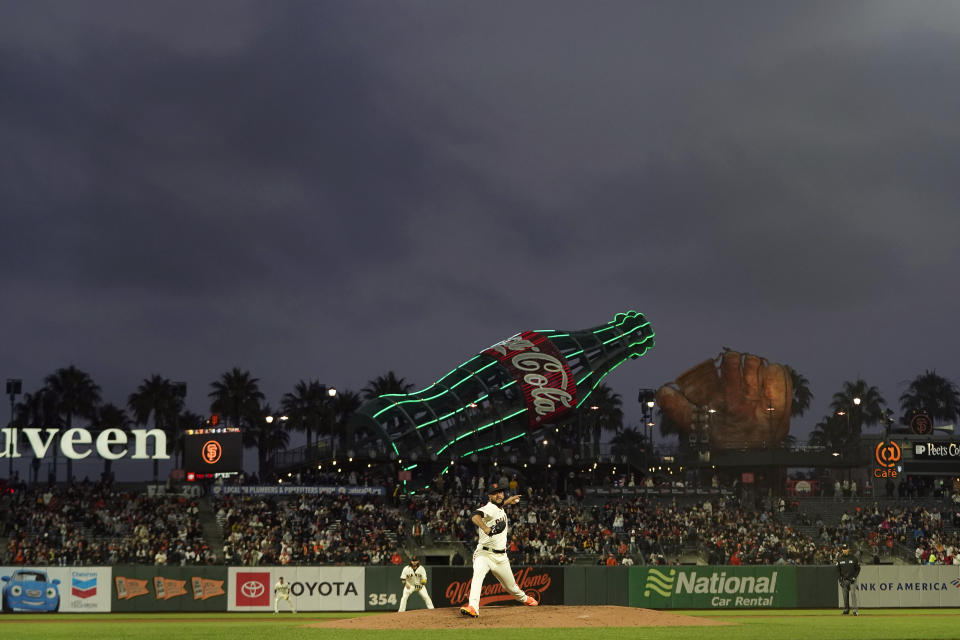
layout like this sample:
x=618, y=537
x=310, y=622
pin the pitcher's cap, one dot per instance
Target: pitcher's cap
x=494, y=488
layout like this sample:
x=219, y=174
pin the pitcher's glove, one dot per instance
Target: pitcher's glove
x=498, y=527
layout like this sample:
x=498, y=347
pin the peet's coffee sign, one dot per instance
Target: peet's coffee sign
x=936, y=450
x=543, y=583
x=78, y=443
x=541, y=371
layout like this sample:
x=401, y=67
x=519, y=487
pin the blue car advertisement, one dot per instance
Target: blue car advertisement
x=54, y=589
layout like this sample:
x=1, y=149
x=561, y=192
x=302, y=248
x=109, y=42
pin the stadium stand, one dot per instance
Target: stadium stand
x=96, y=523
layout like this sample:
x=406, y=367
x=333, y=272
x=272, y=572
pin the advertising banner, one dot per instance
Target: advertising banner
x=727, y=587
x=311, y=588
x=907, y=586
x=52, y=589
x=451, y=586
x=152, y=588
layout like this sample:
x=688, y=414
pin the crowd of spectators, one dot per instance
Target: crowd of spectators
x=543, y=528
x=919, y=528
x=324, y=529
x=98, y=523
x=95, y=523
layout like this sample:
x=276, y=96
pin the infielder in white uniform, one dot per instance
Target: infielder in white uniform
x=414, y=579
x=491, y=553
x=282, y=590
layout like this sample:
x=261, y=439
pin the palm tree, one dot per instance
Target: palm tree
x=632, y=443
x=77, y=395
x=608, y=416
x=801, y=393
x=266, y=436
x=37, y=410
x=110, y=416
x=933, y=394
x=868, y=411
x=237, y=397
x=388, y=383
x=186, y=420
x=833, y=433
x=344, y=406
x=160, y=399
x=306, y=407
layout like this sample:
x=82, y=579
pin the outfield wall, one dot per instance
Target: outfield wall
x=144, y=588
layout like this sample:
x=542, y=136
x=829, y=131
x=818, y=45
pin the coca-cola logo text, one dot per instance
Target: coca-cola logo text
x=542, y=372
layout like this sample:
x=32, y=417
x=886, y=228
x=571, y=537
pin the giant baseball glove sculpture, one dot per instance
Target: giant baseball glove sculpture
x=751, y=398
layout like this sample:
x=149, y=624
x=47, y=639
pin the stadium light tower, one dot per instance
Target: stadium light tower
x=647, y=400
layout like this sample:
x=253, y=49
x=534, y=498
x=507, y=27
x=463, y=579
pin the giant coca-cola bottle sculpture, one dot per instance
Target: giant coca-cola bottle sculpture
x=508, y=390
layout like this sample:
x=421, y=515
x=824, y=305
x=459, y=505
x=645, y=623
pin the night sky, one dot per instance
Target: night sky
x=331, y=190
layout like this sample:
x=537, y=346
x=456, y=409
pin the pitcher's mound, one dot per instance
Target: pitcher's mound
x=521, y=617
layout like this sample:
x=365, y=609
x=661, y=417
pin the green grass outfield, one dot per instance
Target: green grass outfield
x=882, y=624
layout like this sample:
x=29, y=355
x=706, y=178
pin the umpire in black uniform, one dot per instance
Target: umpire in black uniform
x=848, y=568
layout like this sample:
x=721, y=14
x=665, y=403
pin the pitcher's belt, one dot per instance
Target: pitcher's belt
x=494, y=550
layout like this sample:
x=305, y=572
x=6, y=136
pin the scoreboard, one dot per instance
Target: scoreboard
x=215, y=450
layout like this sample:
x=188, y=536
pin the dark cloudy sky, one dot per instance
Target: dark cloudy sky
x=331, y=190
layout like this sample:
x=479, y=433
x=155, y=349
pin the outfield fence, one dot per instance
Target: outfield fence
x=139, y=588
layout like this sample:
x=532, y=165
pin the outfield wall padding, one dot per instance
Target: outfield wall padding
x=598, y=585
x=383, y=589
x=146, y=588
x=816, y=587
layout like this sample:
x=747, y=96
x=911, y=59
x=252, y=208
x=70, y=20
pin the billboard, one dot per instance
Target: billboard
x=450, y=586
x=212, y=450
x=169, y=588
x=311, y=588
x=907, y=586
x=53, y=589
x=704, y=587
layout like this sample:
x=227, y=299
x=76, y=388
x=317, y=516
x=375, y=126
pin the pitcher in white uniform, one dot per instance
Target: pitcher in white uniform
x=491, y=553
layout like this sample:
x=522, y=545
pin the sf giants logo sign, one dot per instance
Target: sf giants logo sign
x=211, y=452
x=540, y=370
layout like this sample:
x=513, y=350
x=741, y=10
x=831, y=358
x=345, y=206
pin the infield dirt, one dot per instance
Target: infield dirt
x=522, y=617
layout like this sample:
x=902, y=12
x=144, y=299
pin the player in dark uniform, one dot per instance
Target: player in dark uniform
x=848, y=568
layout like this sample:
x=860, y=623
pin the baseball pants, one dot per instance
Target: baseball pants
x=423, y=594
x=276, y=603
x=499, y=565
x=849, y=590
